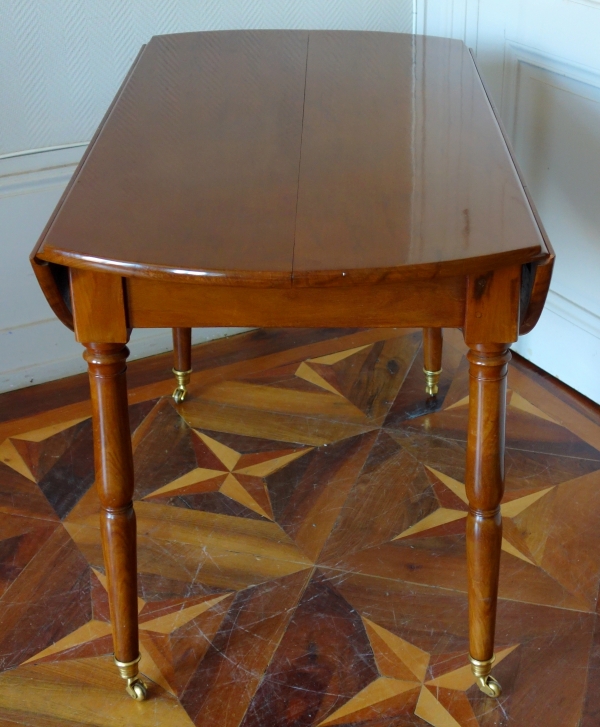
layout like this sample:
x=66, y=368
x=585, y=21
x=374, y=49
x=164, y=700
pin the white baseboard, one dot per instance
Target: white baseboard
x=46, y=351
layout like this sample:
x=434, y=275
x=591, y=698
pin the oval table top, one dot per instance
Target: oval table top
x=279, y=158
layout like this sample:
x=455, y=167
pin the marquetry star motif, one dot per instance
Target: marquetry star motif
x=160, y=638
x=403, y=688
x=325, y=371
x=239, y=476
x=448, y=519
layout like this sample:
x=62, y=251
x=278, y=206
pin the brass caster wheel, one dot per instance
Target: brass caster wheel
x=432, y=379
x=136, y=689
x=179, y=394
x=183, y=379
x=489, y=686
x=135, y=686
x=484, y=680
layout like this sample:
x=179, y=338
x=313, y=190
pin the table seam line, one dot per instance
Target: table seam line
x=299, y=161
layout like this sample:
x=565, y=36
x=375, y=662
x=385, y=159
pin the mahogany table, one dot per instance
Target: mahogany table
x=294, y=178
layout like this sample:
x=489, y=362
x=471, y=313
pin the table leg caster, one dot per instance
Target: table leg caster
x=432, y=379
x=135, y=686
x=183, y=379
x=484, y=680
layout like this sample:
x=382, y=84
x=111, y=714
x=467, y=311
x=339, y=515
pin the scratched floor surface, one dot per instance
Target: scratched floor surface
x=301, y=546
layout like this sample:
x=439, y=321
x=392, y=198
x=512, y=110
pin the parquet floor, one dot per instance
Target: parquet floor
x=301, y=545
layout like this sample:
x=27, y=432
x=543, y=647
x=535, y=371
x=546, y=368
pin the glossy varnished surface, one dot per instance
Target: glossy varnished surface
x=302, y=546
x=197, y=165
x=403, y=163
x=280, y=157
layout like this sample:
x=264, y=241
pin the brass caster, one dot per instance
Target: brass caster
x=432, y=378
x=136, y=689
x=489, y=686
x=484, y=680
x=183, y=379
x=135, y=686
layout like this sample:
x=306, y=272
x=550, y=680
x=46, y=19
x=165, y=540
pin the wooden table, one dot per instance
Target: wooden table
x=293, y=178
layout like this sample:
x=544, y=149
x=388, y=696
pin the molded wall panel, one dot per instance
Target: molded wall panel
x=540, y=60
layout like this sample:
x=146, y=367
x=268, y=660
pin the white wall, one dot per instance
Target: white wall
x=61, y=63
x=541, y=62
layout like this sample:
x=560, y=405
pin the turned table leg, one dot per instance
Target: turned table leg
x=114, y=480
x=432, y=358
x=485, y=485
x=182, y=351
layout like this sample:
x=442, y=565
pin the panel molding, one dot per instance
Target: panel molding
x=566, y=342
x=516, y=56
x=31, y=182
x=448, y=18
x=584, y=318
x=589, y=3
x=40, y=169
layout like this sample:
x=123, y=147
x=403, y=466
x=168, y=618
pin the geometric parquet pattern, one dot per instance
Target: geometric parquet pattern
x=301, y=540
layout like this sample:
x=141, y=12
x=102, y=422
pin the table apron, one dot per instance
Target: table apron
x=429, y=303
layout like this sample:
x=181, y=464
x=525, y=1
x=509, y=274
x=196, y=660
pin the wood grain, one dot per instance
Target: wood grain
x=98, y=307
x=322, y=158
x=182, y=349
x=485, y=487
x=204, y=141
x=114, y=481
x=422, y=303
x=391, y=183
x=228, y=629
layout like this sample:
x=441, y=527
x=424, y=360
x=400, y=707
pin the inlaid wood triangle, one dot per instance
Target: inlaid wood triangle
x=454, y=485
x=266, y=468
x=325, y=371
x=38, y=435
x=157, y=662
x=11, y=457
x=333, y=358
x=462, y=678
x=198, y=480
x=434, y=523
x=414, y=658
x=374, y=701
x=515, y=507
x=509, y=548
x=515, y=541
x=388, y=663
x=258, y=492
x=518, y=402
x=170, y=622
x=232, y=488
x=461, y=402
x=229, y=457
x=308, y=373
x=88, y=632
x=433, y=712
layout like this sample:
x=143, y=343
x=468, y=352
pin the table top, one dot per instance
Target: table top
x=301, y=158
